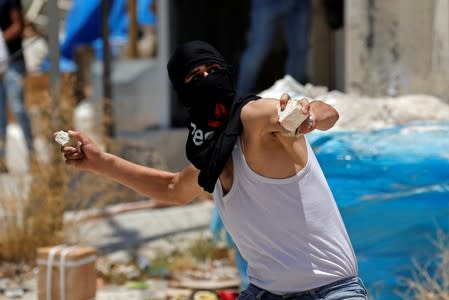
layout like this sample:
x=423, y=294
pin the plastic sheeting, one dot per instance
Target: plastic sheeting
x=392, y=187
x=83, y=23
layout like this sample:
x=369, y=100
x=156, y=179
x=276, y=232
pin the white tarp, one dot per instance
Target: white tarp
x=363, y=112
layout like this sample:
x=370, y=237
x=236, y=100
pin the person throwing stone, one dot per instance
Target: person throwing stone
x=266, y=182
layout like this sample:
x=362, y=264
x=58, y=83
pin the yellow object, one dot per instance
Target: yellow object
x=204, y=295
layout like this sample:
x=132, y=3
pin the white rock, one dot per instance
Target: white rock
x=292, y=116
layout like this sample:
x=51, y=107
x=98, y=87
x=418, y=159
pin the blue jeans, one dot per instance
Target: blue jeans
x=349, y=288
x=294, y=16
x=11, y=92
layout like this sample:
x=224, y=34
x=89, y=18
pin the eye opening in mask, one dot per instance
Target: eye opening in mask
x=201, y=71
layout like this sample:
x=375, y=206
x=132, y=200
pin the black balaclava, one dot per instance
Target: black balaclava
x=213, y=107
x=199, y=92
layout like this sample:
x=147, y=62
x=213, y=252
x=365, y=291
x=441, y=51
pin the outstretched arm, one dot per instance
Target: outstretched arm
x=261, y=123
x=262, y=116
x=170, y=187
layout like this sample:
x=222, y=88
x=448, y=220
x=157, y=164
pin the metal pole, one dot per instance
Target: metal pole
x=55, y=181
x=54, y=53
x=163, y=51
x=107, y=87
x=132, y=28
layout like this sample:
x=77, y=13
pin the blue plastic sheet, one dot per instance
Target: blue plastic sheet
x=83, y=22
x=392, y=187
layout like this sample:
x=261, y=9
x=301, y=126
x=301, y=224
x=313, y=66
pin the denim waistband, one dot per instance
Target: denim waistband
x=261, y=294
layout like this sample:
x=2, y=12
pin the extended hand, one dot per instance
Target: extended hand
x=309, y=124
x=86, y=154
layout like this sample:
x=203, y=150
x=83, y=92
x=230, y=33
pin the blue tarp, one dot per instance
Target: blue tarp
x=83, y=23
x=392, y=187
x=83, y=27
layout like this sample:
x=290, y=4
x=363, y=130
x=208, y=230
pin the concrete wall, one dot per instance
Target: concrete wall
x=395, y=47
x=326, y=53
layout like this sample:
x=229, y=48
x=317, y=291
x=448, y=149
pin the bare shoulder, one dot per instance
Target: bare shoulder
x=260, y=116
x=256, y=108
x=263, y=141
x=248, y=110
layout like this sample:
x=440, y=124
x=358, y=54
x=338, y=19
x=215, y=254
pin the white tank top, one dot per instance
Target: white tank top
x=289, y=230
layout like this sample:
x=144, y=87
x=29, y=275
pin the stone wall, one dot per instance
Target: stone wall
x=395, y=47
